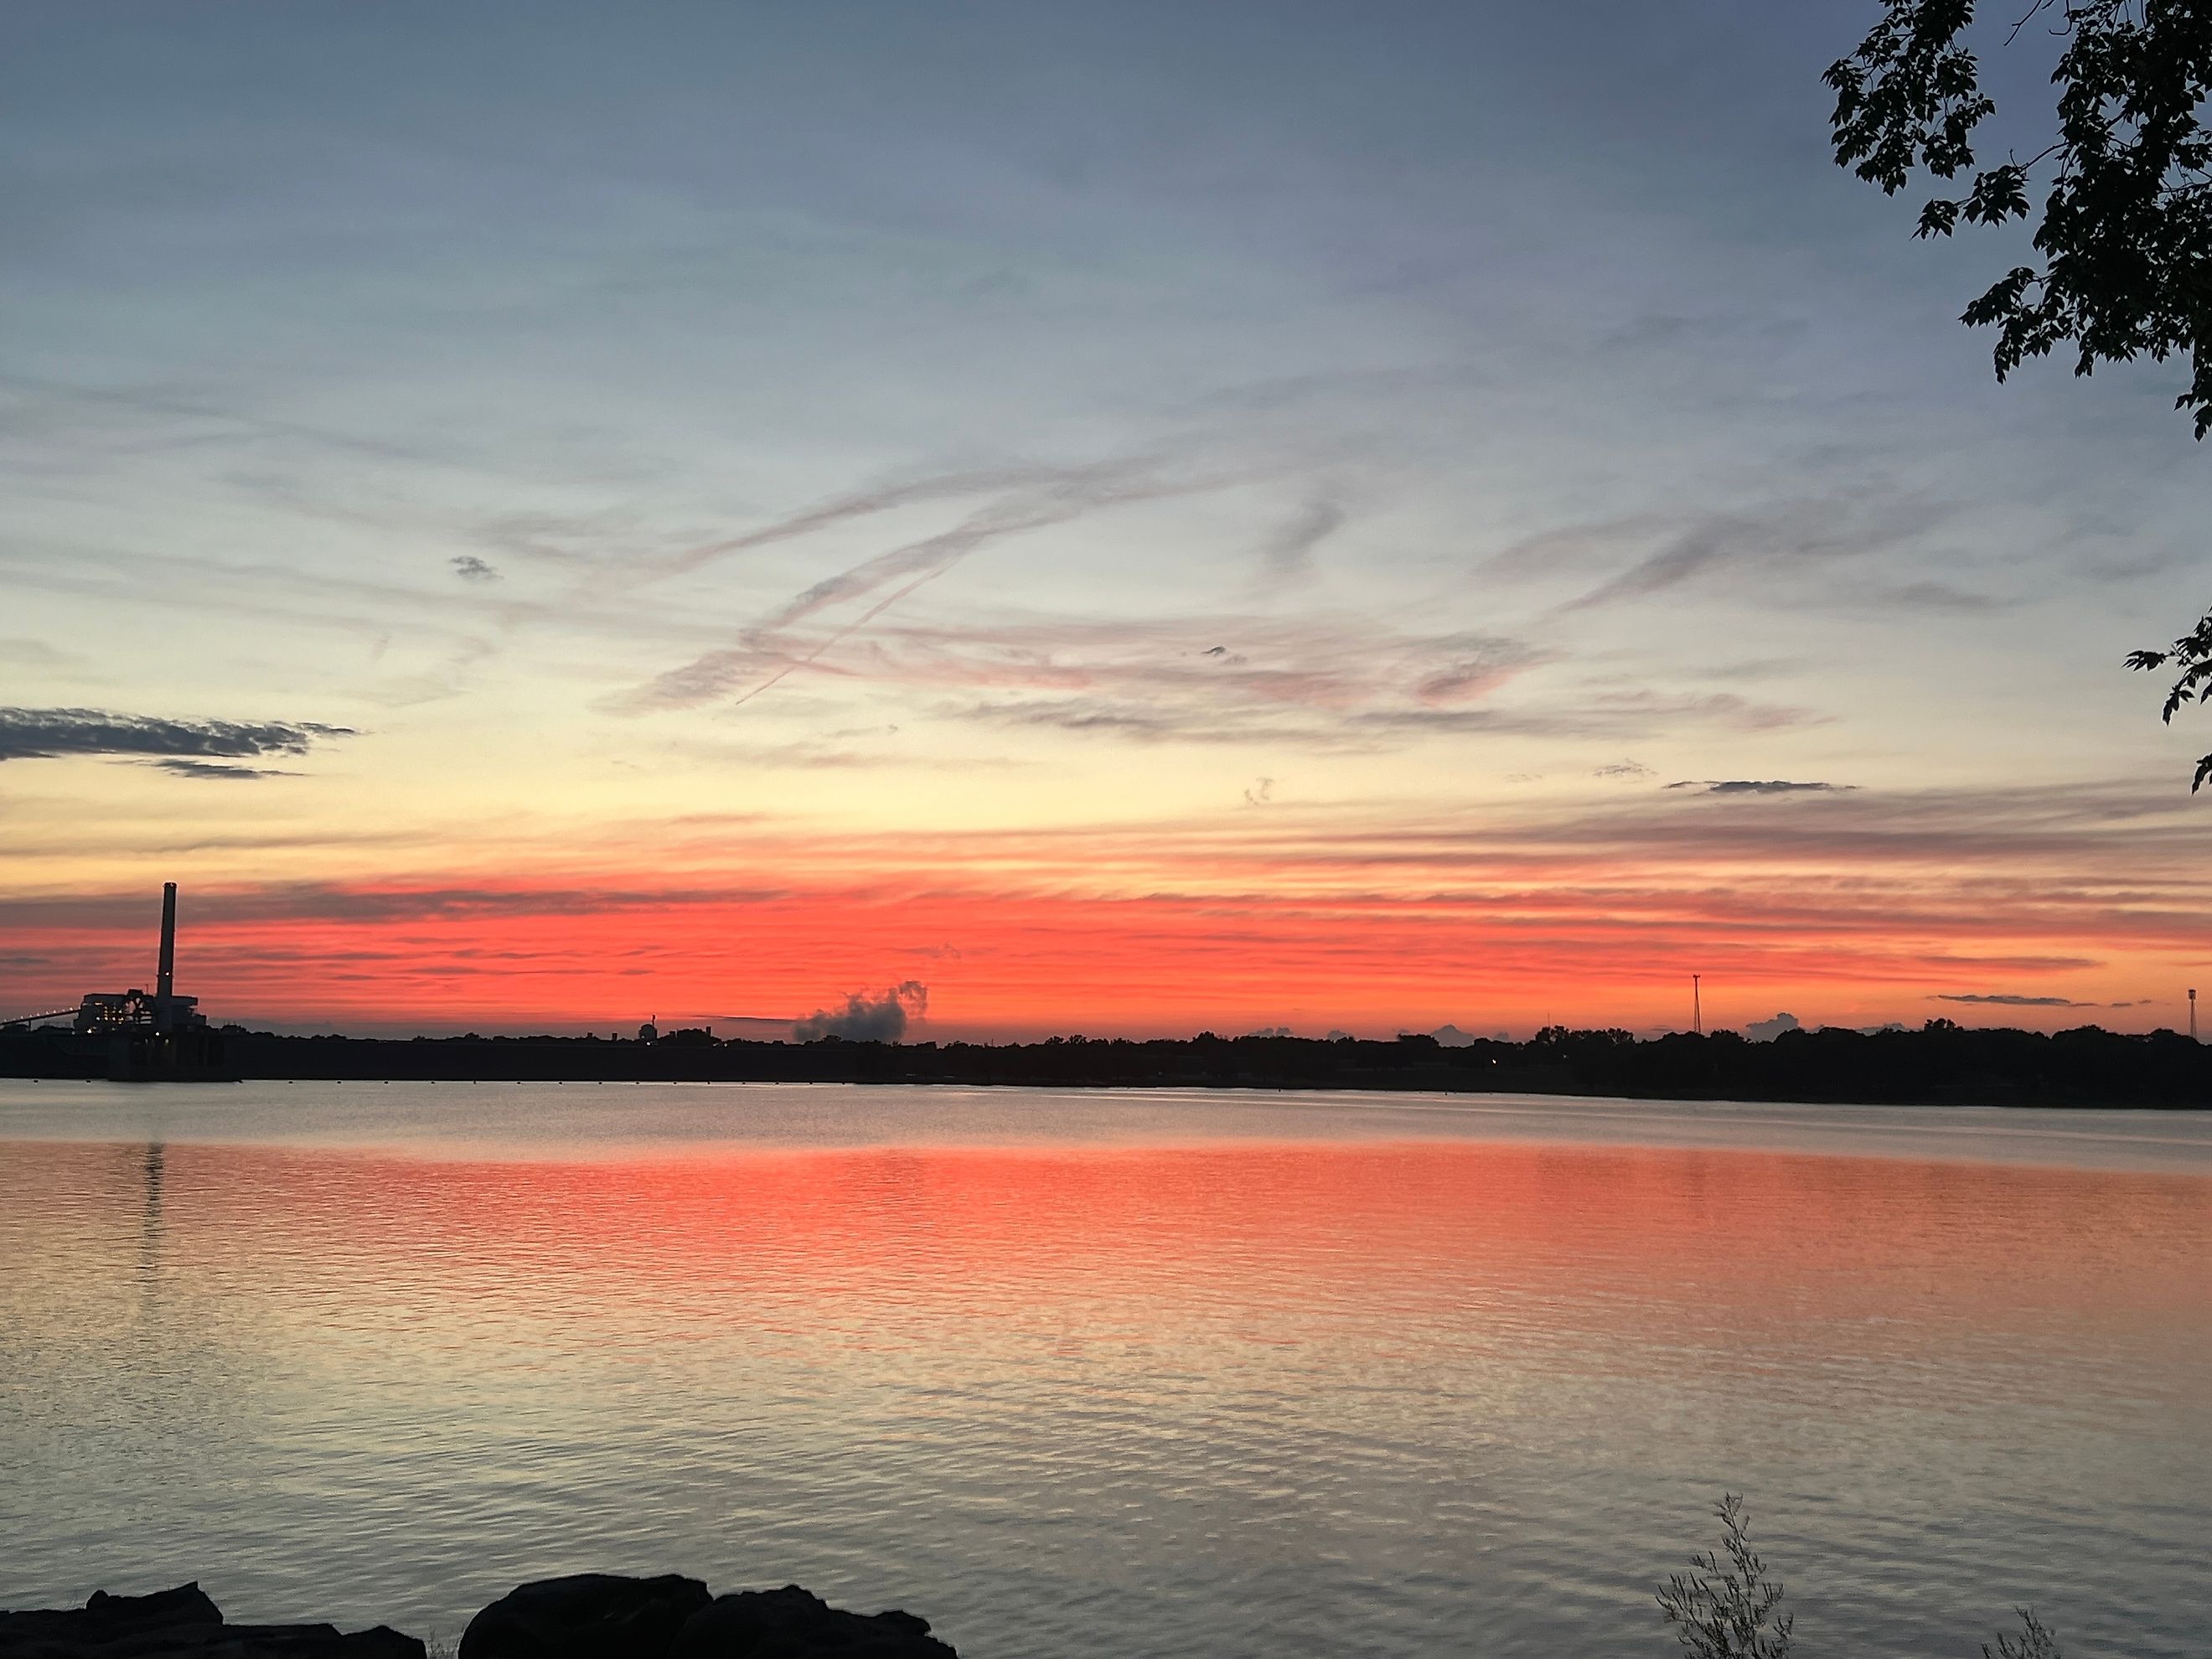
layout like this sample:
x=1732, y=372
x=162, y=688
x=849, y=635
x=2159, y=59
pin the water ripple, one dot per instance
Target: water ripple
x=1161, y=1378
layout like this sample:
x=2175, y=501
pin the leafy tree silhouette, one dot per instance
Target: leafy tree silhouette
x=2192, y=655
x=2125, y=240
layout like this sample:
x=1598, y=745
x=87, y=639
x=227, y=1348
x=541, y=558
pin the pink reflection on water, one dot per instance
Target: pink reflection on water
x=1403, y=1378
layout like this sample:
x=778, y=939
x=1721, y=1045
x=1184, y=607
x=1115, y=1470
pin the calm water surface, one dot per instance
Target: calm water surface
x=1114, y=1375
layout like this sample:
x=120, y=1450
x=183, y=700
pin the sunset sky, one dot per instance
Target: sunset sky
x=1133, y=518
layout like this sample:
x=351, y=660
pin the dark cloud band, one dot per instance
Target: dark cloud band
x=2007, y=1000
x=190, y=747
x=1757, y=787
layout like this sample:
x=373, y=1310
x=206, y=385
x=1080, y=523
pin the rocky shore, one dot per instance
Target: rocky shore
x=589, y=1616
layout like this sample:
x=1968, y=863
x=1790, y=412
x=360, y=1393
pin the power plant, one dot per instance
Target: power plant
x=151, y=1038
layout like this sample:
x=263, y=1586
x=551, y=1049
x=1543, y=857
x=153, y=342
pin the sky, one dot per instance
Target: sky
x=1113, y=520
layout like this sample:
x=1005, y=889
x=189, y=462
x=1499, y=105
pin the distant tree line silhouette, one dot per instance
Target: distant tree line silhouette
x=1940, y=1063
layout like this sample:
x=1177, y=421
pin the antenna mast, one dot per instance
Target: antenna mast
x=1698, y=1004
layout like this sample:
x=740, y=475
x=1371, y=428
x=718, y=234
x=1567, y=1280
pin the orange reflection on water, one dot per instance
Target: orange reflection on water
x=1750, y=1238
x=1299, y=1383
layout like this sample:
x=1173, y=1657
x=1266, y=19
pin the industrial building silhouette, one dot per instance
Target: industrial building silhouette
x=157, y=1036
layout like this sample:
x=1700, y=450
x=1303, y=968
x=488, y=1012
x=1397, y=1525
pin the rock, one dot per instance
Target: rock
x=109, y=1622
x=795, y=1624
x=589, y=1615
x=600, y=1616
x=181, y=1624
x=188, y=1604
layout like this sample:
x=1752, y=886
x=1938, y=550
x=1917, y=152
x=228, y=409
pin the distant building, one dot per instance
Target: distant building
x=120, y=1012
x=149, y=1034
x=134, y=1013
x=648, y=1032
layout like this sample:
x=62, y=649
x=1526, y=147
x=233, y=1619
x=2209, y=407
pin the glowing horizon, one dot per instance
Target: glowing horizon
x=1320, y=921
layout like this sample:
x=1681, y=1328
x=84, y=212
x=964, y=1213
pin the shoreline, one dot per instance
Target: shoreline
x=1939, y=1064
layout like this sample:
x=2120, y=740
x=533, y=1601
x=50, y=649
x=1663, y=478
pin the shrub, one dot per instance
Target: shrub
x=2036, y=1640
x=1727, y=1612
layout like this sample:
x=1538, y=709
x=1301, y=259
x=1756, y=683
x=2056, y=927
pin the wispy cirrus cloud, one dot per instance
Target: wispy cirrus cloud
x=34, y=654
x=834, y=752
x=1340, y=684
x=853, y=504
x=1289, y=553
x=1619, y=716
x=1477, y=671
x=1206, y=678
x=1344, y=682
x=1016, y=502
x=1939, y=596
x=1752, y=547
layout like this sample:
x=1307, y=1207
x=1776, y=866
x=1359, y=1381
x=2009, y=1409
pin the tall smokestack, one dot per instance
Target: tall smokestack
x=166, y=983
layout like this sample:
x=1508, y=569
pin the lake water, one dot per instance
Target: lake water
x=1112, y=1375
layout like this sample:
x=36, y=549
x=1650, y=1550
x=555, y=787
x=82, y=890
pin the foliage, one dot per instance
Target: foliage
x=2036, y=1640
x=2125, y=242
x=1569, y=1036
x=2125, y=238
x=1729, y=1611
x=2192, y=655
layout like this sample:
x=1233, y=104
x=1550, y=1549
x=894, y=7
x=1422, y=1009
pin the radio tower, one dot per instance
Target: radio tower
x=2192, y=1013
x=1698, y=1007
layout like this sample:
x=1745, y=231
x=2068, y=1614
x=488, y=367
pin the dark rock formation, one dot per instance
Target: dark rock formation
x=600, y=1616
x=181, y=1624
x=793, y=1624
x=593, y=1615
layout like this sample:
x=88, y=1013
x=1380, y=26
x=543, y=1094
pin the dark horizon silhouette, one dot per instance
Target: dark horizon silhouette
x=1942, y=1063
